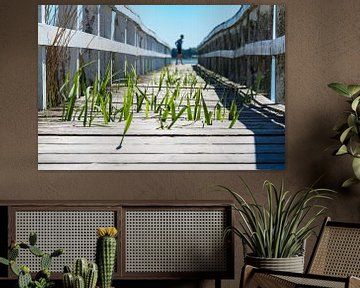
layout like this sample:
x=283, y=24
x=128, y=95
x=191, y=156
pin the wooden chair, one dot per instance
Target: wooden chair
x=334, y=263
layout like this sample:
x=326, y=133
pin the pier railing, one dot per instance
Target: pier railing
x=70, y=35
x=248, y=46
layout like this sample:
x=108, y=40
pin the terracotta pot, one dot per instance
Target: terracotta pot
x=291, y=264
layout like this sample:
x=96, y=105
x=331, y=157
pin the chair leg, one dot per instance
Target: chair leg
x=251, y=279
x=246, y=274
x=354, y=282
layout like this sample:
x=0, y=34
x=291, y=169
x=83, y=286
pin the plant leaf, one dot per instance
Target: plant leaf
x=349, y=182
x=340, y=89
x=342, y=150
x=353, y=89
x=355, y=103
x=345, y=134
x=177, y=116
x=126, y=128
x=356, y=167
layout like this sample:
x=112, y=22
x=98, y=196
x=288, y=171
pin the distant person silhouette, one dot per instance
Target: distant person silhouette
x=178, y=44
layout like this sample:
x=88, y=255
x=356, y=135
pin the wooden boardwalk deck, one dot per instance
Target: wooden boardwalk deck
x=257, y=141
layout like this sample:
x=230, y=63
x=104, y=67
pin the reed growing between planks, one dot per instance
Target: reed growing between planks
x=174, y=98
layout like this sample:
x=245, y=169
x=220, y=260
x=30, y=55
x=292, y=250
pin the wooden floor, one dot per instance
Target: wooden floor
x=257, y=141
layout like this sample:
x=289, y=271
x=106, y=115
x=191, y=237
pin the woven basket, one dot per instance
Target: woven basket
x=291, y=264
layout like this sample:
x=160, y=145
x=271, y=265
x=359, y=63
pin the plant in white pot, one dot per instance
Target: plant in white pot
x=276, y=233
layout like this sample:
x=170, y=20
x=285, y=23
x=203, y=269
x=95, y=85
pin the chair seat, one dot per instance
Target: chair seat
x=335, y=262
x=268, y=279
x=315, y=282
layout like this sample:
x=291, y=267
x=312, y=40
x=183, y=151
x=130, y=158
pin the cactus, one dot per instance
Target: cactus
x=43, y=274
x=88, y=273
x=67, y=269
x=4, y=261
x=68, y=280
x=13, y=253
x=105, y=254
x=24, y=246
x=24, y=280
x=91, y=276
x=14, y=268
x=23, y=273
x=79, y=282
x=80, y=267
x=57, y=252
x=45, y=261
x=36, y=251
x=32, y=239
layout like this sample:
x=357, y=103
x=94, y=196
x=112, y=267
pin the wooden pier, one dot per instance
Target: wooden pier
x=257, y=140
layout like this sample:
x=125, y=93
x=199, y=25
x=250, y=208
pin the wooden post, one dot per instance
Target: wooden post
x=273, y=60
x=98, y=30
x=113, y=17
x=42, y=78
x=41, y=65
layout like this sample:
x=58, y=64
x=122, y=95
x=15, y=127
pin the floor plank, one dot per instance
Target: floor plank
x=257, y=140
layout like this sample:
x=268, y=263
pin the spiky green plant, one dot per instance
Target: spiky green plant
x=177, y=116
x=85, y=275
x=279, y=228
x=348, y=133
x=42, y=278
x=126, y=128
x=234, y=113
x=106, y=254
x=69, y=94
x=207, y=114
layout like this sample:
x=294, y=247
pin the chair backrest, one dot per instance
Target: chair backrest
x=337, y=251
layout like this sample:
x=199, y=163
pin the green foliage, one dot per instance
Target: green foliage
x=69, y=91
x=42, y=278
x=85, y=275
x=279, y=229
x=43, y=283
x=126, y=128
x=32, y=239
x=234, y=113
x=166, y=106
x=348, y=132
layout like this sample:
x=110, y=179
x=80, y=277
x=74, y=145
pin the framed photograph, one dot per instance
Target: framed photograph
x=161, y=87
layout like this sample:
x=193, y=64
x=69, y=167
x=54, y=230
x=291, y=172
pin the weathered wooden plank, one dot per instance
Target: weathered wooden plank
x=120, y=157
x=163, y=167
x=156, y=148
x=159, y=132
x=223, y=140
x=180, y=124
x=257, y=141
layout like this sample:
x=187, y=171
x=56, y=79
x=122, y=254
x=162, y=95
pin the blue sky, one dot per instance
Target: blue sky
x=194, y=21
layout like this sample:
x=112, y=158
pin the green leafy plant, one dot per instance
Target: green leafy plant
x=348, y=132
x=42, y=278
x=279, y=229
x=126, y=128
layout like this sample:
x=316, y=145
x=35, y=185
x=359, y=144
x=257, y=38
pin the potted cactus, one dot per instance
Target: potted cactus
x=106, y=254
x=84, y=275
x=42, y=278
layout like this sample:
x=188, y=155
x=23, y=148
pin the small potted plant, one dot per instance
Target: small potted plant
x=348, y=132
x=275, y=233
x=84, y=275
x=42, y=278
x=106, y=254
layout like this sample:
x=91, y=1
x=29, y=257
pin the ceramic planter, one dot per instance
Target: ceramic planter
x=291, y=264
